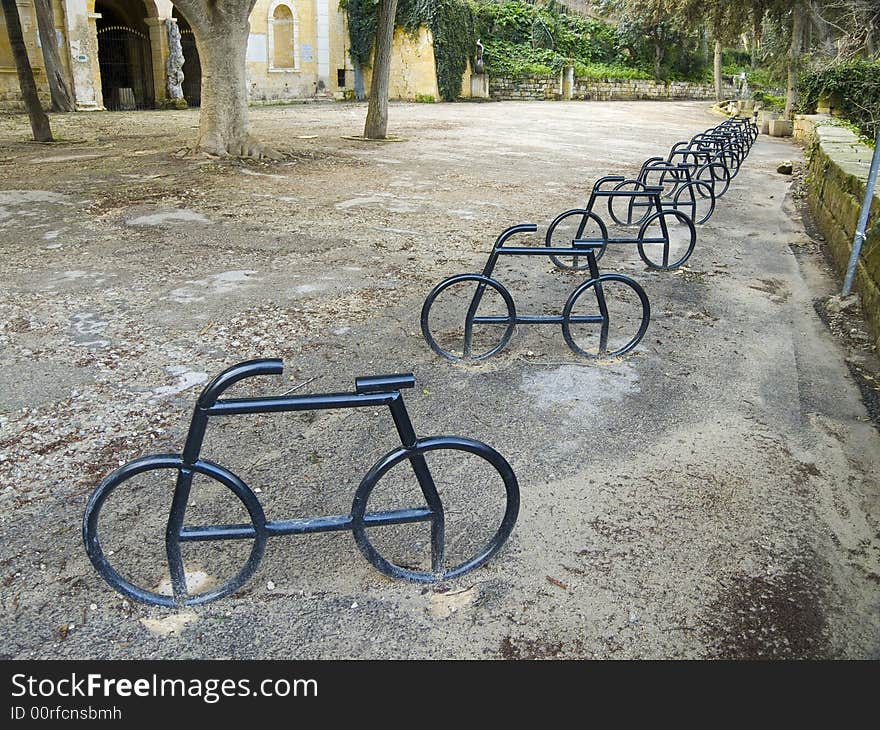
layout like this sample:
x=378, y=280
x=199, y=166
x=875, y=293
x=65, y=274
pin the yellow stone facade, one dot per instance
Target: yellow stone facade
x=114, y=53
x=412, y=74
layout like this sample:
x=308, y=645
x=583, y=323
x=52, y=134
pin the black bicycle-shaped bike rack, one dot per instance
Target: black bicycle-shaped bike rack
x=665, y=239
x=680, y=190
x=370, y=392
x=470, y=317
x=715, y=155
x=666, y=200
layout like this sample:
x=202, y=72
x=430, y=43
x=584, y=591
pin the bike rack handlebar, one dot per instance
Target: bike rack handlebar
x=513, y=230
x=248, y=369
x=384, y=383
x=608, y=179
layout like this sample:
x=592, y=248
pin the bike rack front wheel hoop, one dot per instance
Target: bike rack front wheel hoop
x=421, y=447
x=595, y=285
x=696, y=190
x=585, y=215
x=667, y=265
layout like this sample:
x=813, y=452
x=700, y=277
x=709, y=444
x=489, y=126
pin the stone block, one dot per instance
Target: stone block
x=780, y=128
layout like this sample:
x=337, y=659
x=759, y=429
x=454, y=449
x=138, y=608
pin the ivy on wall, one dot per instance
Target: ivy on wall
x=853, y=88
x=451, y=23
x=362, y=19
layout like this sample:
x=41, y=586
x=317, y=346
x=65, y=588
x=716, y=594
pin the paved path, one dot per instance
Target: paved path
x=715, y=493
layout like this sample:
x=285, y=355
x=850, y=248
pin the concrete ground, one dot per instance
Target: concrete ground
x=714, y=493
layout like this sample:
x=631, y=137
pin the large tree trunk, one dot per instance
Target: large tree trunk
x=376, y=126
x=716, y=70
x=224, y=124
x=794, y=56
x=62, y=98
x=221, y=31
x=39, y=121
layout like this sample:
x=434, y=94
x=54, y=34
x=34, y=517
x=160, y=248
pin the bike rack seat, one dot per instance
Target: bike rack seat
x=384, y=383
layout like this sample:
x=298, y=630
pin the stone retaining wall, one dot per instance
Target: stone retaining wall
x=551, y=87
x=838, y=171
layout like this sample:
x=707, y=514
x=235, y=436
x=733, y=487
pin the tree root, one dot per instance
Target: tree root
x=248, y=148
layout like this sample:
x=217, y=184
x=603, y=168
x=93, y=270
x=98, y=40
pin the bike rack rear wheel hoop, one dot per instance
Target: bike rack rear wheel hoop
x=466, y=316
x=181, y=474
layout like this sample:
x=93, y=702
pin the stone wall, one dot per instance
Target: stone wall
x=838, y=171
x=413, y=72
x=551, y=87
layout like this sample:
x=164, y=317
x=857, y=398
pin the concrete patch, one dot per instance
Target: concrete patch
x=173, y=624
x=26, y=197
x=392, y=203
x=74, y=278
x=181, y=215
x=64, y=158
x=46, y=382
x=186, y=379
x=222, y=283
x=443, y=605
x=86, y=327
x=584, y=388
x=245, y=171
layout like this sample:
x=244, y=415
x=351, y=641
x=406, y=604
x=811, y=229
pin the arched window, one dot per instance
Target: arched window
x=283, y=43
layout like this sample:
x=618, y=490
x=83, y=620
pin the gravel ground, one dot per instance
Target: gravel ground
x=714, y=493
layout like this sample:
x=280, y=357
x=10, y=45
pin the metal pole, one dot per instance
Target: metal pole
x=860, y=236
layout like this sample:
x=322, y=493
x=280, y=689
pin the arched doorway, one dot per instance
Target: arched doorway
x=192, y=66
x=124, y=55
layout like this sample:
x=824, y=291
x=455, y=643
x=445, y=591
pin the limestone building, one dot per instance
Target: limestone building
x=116, y=52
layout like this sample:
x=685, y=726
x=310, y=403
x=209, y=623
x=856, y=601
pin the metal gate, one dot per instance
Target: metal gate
x=126, y=68
x=192, y=68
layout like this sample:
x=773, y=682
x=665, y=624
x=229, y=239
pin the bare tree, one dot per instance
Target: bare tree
x=62, y=98
x=376, y=126
x=221, y=31
x=39, y=121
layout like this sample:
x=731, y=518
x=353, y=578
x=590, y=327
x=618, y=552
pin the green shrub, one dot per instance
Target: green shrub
x=609, y=71
x=524, y=39
x=770, y=102
x=853, y=88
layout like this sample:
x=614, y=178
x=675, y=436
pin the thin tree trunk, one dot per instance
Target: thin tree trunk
x=39, y=121
x=757, y=32
x=716, y=70
x=376, y=126
x=794, y=55
x=658, y=59
x=62, y=98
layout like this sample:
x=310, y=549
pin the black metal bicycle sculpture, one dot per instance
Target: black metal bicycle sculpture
x=665, y=239
x=370, y=392
x=666, y=200
x=680, y=188
x=470, y=317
